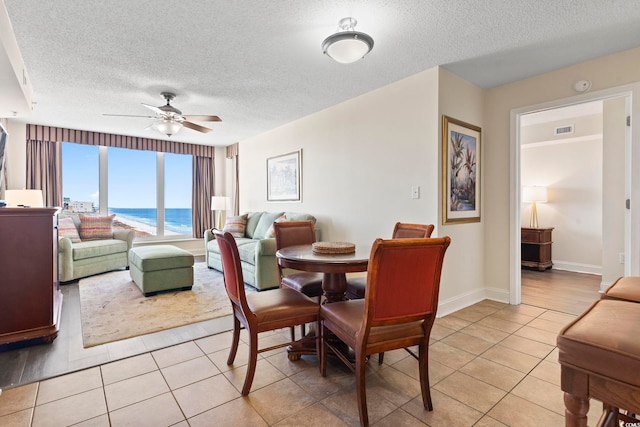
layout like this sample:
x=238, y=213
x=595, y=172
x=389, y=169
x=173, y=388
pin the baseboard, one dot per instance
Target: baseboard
x=577, y=267
x=459, y=302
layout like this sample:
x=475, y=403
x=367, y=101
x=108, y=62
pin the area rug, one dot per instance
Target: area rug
x=113, y=307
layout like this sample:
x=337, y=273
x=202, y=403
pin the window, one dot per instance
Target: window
x=147, y=191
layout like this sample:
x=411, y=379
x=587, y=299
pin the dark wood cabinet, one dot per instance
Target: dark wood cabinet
x=30, y=297
x=536, y=248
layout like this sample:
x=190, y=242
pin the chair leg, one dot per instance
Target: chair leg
x=253, y=360
x=423, y=367
x=323, y=348
x=380, y=358
x=361, y=389
x=293, y=333
x=235, y=340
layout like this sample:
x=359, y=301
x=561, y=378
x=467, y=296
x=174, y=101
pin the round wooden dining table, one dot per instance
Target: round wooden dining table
x=333, y=266
x=334, y=281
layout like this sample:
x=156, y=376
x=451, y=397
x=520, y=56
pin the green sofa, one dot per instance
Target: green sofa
x=86, y=258
x=257, y=249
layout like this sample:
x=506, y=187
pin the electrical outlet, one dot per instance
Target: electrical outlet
x=621, y=256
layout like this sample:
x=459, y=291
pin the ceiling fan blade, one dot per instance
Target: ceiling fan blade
x=196, y=127
x=154, y=109
x=203, y=118
x=129, y=115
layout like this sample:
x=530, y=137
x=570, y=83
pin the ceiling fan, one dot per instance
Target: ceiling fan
x=170, y=119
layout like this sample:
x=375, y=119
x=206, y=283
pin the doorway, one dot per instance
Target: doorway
x=559, y=116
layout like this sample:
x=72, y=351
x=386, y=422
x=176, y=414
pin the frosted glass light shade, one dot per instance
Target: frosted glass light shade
x=532, y=194
x=347, y=46
x=168, y=127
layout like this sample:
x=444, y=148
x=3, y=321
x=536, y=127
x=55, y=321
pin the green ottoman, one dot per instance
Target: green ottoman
x=161, y=268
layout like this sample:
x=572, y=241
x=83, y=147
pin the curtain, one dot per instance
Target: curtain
x=44, y=171
x=232, y=153
x=203, y=172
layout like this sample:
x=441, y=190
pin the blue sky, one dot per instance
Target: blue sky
x=132, y=177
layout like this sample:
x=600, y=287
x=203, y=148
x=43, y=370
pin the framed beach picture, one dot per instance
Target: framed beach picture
x=284, y=177
x=461, y=148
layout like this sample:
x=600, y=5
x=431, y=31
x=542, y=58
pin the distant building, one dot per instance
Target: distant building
x=80, y=206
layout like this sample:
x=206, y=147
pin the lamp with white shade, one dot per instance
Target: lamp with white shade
x=533, y=195
x=25, y=198
x=218, y=204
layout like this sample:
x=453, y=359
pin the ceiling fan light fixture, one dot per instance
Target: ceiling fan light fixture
x=347, y=46
x=167, y=126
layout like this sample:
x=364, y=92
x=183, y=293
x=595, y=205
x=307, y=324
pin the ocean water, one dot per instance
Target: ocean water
x=177, y=220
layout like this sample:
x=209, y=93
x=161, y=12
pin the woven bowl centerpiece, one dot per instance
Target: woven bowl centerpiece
x=333, y=247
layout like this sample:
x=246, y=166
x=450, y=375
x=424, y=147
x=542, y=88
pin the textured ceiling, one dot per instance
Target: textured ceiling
x=258, y=64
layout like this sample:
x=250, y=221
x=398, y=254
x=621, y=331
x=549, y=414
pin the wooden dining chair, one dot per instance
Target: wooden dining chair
x=356, y=285
x=293, y=233
x=387, y=319
x=261, y=311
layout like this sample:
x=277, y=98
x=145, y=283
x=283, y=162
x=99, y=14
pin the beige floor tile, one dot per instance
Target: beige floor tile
x=17, y=419
x=515, y=411
x=546, y=325
x=265, y=374
x=127, y=368
x=547, y=371
x=536, y=334
x=553, y=356
x=557, y=317
x=320, y=387
x=199, y=397
x=344, y=405
x=511, y=358
x=499, y=324
x=513, y=316
x=158, y=411
x=493, y=373
x=470, y=391
x=176, y=354
x=191, y=371
x=235, y=413
x=314, y=416
x=437, y=371
x=68, y=385
x=447, y=412
x=449, y=356
x=398, y=418
x=393, y=385
x=216, y=342
x=487, y=421
x=136, y=389
x=484, y=332
x=18, y=398
x=541, y=393
x=468, y=343
x=470, y=314
x=219, y=358
x=451, y=322
x=527, y=346
x=528, y=310
x=438, y=331
x=490, y=304
x=283, y=364
x=280, y=400
x=99, y=421
x=71, y=410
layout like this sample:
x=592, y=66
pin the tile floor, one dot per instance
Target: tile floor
x=491, y=364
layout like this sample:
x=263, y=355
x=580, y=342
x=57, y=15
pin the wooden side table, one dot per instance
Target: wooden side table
x=536, y=248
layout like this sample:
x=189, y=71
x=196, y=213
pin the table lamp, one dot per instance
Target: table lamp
x=26, y=198
x=534, y=194
x=219, y=203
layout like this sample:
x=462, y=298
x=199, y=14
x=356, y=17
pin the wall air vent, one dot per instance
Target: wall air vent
x=563, y=130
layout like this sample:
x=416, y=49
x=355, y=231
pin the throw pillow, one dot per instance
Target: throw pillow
x=266, y=219
x=66, y=228
x=96, y=227
x=235, y=225
x=271, y=232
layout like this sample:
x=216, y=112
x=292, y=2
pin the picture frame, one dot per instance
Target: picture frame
x=284, y=177
x=461, y=171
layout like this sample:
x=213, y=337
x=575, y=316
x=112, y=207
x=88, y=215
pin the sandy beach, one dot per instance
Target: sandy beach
x=140, y=229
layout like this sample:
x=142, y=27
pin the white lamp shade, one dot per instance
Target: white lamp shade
x=220, y=203
x=168, y=127
x=29, y=198
x=535, y=193
x=348, y=50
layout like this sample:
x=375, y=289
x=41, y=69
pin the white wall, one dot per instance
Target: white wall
x=360, y=160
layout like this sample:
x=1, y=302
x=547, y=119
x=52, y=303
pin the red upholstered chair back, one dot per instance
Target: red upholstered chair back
x=292, y=233
x=403, y=280
x=231, y=268
x=412, y=231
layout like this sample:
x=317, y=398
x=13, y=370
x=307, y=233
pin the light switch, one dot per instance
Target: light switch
x=415, y=192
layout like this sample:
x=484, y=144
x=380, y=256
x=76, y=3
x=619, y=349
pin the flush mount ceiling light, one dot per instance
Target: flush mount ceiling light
x=347, y=46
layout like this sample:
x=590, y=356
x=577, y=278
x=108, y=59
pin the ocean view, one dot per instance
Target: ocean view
x=177, y=220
